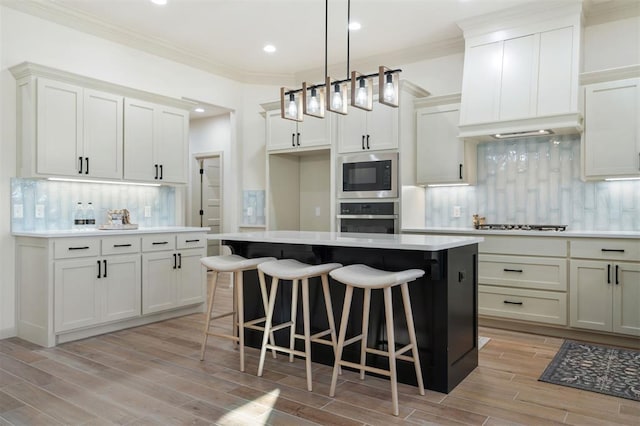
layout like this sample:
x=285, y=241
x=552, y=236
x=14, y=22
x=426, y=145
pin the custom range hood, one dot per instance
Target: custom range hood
x=521, y=72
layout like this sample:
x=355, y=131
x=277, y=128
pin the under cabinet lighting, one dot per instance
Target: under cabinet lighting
x=619, y=179
x=438, y=185
x=102, y=181
x=540, y=132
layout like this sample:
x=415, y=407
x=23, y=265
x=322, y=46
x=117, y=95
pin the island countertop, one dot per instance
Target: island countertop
x=351, y=239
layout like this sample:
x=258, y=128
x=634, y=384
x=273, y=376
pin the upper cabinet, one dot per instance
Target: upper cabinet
x=156, y=142
x=361, y=130
x=611, y=143
x=521, y=75
x=285, y=134
x=76, y=127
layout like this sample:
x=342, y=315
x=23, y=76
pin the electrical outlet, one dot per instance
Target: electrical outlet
x=147, y=211
x=456, y=211
x=317, y=211
x=39, y=211
x=18, y=211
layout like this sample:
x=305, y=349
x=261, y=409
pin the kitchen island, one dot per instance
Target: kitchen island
x=444, y=301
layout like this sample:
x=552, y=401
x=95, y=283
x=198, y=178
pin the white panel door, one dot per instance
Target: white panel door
x=382, y=128
x=352, y=130
x=121, y=287
x=59, y=128
x=281, y=133
x=440, y=153
x=556, y=84
x=172, y=144
x=139, y=134
x=191, y=277
x=590, y=295
x=626, y=299
x=76, y=294
x=481, y=83
x=103, y=134
x=315, y=131
x=158, y=281
x=519, y=72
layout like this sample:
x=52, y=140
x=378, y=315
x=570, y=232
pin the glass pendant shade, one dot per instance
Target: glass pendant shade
x=388, y=86
x=313, y=100
x=290, y=104
x=336, y=100
x=361, y=91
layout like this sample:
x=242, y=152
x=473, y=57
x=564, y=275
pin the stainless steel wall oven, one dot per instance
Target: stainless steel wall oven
x=369, y=217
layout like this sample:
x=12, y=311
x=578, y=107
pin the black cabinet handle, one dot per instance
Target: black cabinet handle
x=79, y=248
x=156, y=166
x=460, y=171
x=617, y=282
x=609, y=274
x=368, y=142
x=161, y=172
x=159, y=243
x=293, y=139
x=99, y=271
x=105, y=269
x=298, y=139
x=613, y=250
x=179, y=260
x=80, y=171
x=508, y=302
x=192, y=241
x=175, y=261
x=512, y=270
x=362, y=141
x=122, y=245
x=86, y=159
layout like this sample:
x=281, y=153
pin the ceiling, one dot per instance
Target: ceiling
x=226, y=37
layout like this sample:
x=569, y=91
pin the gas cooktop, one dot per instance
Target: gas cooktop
x=517, y=227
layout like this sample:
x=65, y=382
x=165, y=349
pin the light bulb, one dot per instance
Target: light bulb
x=292, y=108
x=313, y=105
x=336, y=98
x=389, y=91
x=361, y=95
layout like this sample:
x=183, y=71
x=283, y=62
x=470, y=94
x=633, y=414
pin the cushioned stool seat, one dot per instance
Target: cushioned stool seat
x=368, y=278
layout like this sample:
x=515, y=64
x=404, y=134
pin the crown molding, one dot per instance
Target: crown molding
x=611, y=74
x=609, y=11
x=450, y=98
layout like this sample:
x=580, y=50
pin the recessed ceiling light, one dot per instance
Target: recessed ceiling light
x=199, y=109
x=159, y=2
x=269, y=48
x=355, y=26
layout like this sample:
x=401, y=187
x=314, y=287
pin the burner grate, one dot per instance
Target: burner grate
x=520, y=227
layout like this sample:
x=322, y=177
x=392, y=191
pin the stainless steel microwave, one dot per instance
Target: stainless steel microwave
x=368, y=175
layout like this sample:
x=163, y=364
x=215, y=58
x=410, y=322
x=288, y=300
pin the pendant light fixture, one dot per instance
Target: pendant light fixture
x=333, y=95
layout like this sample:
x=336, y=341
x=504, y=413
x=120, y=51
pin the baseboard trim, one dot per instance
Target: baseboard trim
x=5, y=333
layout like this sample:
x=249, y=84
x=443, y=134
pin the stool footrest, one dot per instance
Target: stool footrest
x=222, y=315
x=320, y=334
x=365, y=367
x=281, y=326
x=226, y=336
x=253, y=324
x=285, y=350
x=352, y=340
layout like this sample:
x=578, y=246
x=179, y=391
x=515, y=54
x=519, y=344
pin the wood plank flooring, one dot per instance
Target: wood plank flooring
x=152, y=375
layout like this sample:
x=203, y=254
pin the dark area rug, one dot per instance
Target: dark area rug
x=607, y=370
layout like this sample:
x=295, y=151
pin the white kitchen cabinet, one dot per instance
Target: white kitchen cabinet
x=605, y=293
x=156, y=142
x=291, y=135
x=172, y=273
x=611, y=143
x=374, y=130
x=78, y=132
x=442, y=157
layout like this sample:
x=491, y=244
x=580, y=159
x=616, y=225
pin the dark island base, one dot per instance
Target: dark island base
x=444, y=304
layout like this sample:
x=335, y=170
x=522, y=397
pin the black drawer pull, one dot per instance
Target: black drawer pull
x=99, y=271
x=609, y=274
x=80, y=171
x=86, y=159
x=175, y=262
x=513, y=270
x=192, y=241
x=105, y=268
x=614, y=250
x=156, y=166
x=159, y=243
x=179, y=260
x=508, y=302
x=79, y=248
x=122, y=245
x=617, y=281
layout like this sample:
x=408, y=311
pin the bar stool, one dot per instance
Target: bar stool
x=368, y=278
x=237, y=265
x=289, y=269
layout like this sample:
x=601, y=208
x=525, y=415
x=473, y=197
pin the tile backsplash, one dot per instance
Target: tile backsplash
x=536, y=181
x=253, y=207
x=55, y=201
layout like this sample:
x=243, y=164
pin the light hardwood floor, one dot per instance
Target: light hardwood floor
x=152, y=375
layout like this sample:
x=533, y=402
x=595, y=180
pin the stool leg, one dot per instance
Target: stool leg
x=346, y=307
x=208, y=319
x=406, y=301
x=329, y=308
x=307, y=330
x=294, y=316
x=234, y=292
x=366, y=306
x=239, y=309
x=267, y=324
x=263, y=292
x=391, y=345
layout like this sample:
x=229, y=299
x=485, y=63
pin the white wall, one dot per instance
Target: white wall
x=612, y=44
x=438, y=76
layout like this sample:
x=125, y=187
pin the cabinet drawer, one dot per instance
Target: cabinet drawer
x=76, y=247
x=533, y=246
x=120, y=245
x=606, y=249
x=191, y=240
x=528, y=305
x=159, y=242
x=541, y=273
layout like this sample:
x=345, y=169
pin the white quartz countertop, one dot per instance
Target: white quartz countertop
x=565, y=234
x=63, y=233
x=348, y=239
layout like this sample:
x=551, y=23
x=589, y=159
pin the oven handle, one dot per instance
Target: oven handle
x=367, y=216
